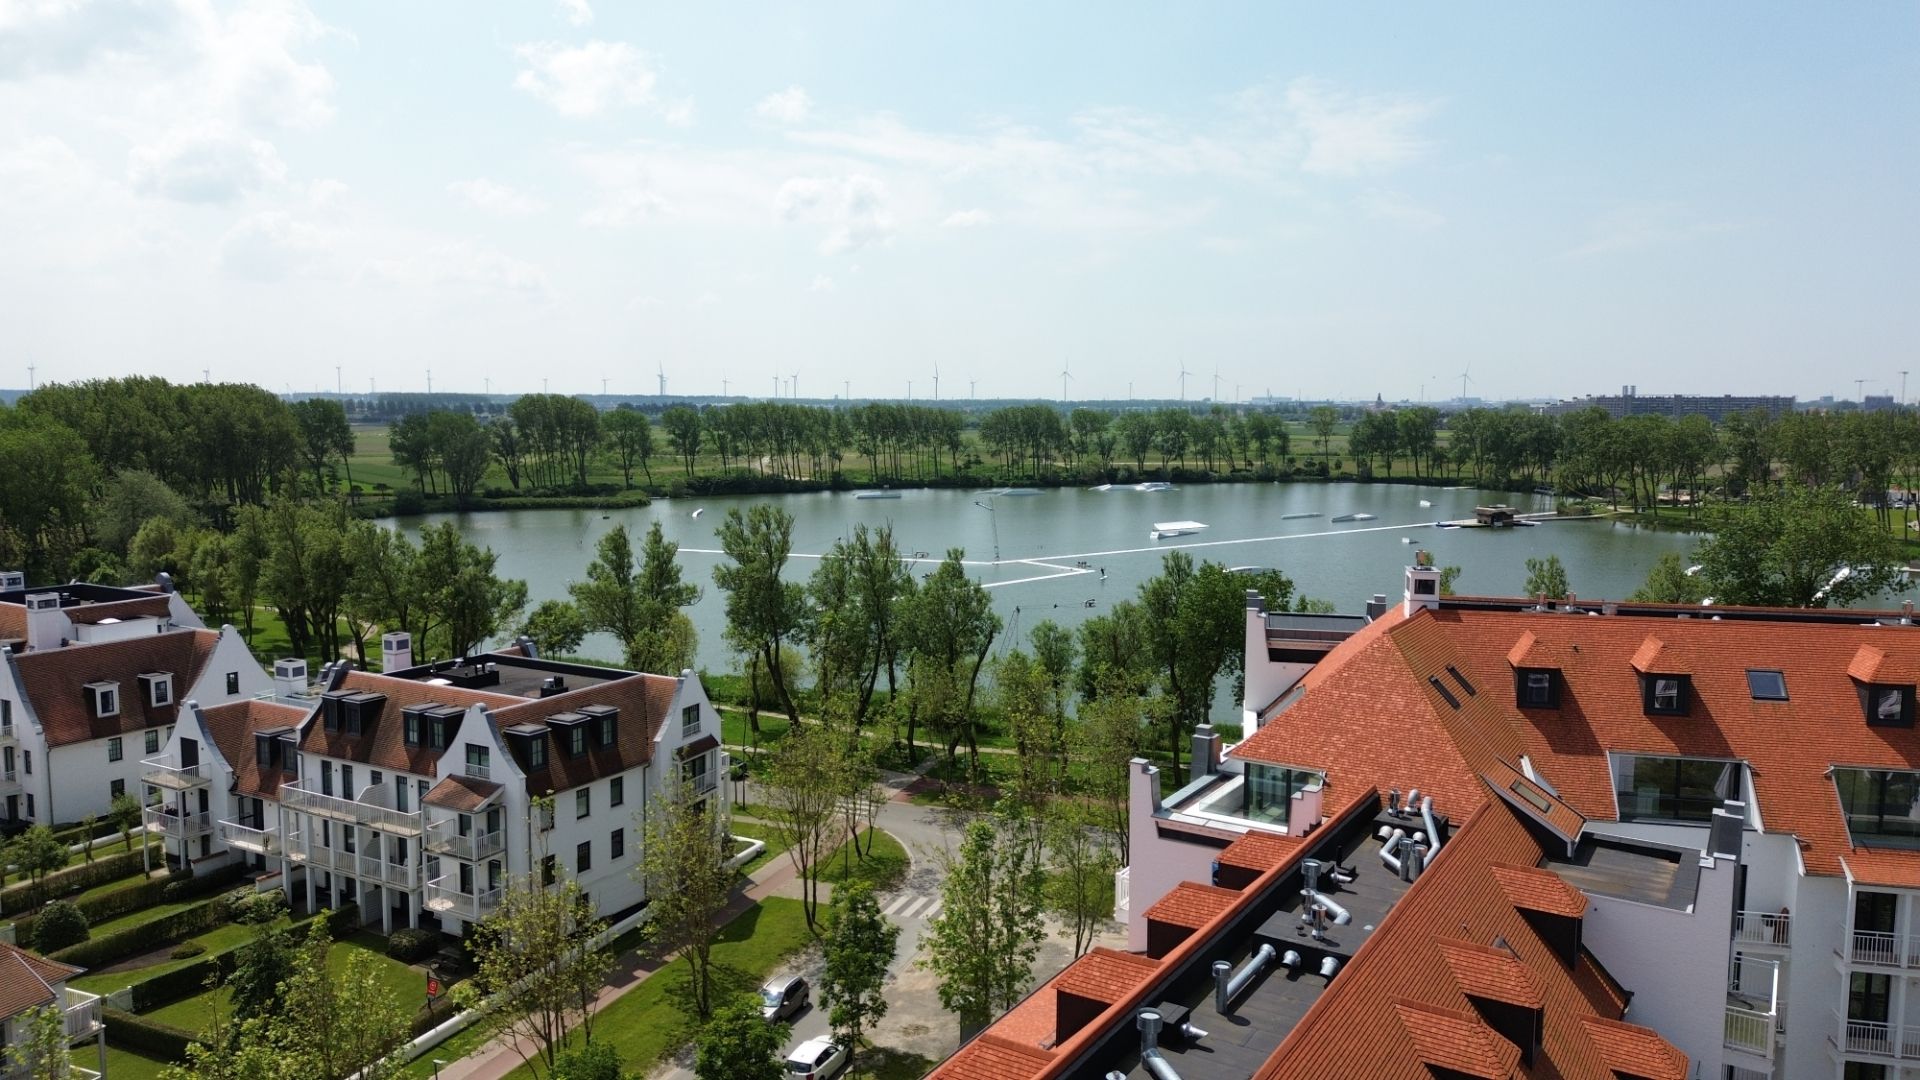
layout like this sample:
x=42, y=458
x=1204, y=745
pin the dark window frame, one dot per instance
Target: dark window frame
x=1650, y=694
x=1754, y=688
x=1874, y=695
x=1523, y=688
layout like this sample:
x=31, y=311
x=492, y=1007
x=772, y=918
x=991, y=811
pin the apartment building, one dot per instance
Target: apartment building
x=1494, y=838
x=418, y=792
x=92, y=678
x=29, y=983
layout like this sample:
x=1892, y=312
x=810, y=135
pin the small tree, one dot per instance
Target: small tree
x=1669, y=583
x=37, y=852
x=88, y=826
x=341, y=1023
x=60, y=924
x=738, y=1045
x=556, y=626
x=858, y=948
x=261, y=968
x=803, y=792
x=1080, y=888
x=683, y=864
x=125, y=815
x=595, y=1061
x=1547, y=577
x=535, y=976
x=41, y=1051
x=983, y=943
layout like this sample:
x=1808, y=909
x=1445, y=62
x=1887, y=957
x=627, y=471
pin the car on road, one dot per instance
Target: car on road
x=817, y=1059
x=782, y=997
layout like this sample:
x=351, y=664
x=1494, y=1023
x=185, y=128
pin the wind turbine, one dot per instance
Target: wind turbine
x=1066, y=376
x=1216, y=382
x=1183, y=380
x=32, y=382
x=429, y=380
x=793, y=386
x=1465, y=378
x=776, y=386
x=723, y=387
x=663, y=379
x=972, y=388
x=846, y=389
x=936, y=382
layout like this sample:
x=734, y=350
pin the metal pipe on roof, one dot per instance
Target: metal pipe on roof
x=1389, y=850
x=1433, y=831
x=1226, y=986
x=1150, y=1059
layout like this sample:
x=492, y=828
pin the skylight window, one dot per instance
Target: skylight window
x=1766, y=685
x=1462, y=680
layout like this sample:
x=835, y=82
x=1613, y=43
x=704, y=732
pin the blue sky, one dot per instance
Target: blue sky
x=1338, y=200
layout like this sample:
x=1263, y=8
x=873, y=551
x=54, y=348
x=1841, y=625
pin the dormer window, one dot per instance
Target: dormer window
x=571, y=729
x=605, y=720
x=1537, y=688
x=158, y=688
x=689, y=721
x=1664, y=695
x=103, y=699
x=1887, y=705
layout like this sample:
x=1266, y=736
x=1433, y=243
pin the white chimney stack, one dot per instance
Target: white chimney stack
x=396, y=651
x=289, y=678
x=1423, y=584
x=46, y=623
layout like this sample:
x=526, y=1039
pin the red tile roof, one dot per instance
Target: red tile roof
x=1884, y=867
x=1875, y=665
x=1451, y=1039
x=990, y=1057
x=1192, y=905
x=461, y=793
x=1635, y=1050
x=1105, y=974
x=1492, y=973
x=1259, y=851
x=13, y=622
x=233, y=726
x=27, y=981
x=1416, y=959
x=1530, y=888
x=55, y=682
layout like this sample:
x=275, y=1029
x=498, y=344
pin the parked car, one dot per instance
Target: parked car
x=782, y=997
x=817, y=1059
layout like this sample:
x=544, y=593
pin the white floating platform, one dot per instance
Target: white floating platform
x=876, y=494
x=1164, y=529
x=1343, y=518
x=1153, y=485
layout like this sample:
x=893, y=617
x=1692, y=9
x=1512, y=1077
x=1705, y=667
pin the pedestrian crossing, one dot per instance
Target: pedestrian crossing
x=912, y=905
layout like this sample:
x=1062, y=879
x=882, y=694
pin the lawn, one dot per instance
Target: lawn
x=142, y=917
x=218, y=939
x=196, y=1012
x=655, y=1018
x=881, y=869
x=775, y=846
x=121, y=1064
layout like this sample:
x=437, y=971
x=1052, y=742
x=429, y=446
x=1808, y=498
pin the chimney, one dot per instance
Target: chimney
x=12, y=581
x=1423, y=583
x=289, y=678
x=1206, y=751
x=47, y=627
x=1723, y=837
x=553, y=684
x=527, y=646
x=164, y=580
x=1377, y=606
x=396, y=651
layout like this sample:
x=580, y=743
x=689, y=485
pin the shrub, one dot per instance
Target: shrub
x=187, y=951
x=59, y=925
x=594, y=1061
x=108, y=948
x=255, y=908
x=410, y=945
x=150, y=1037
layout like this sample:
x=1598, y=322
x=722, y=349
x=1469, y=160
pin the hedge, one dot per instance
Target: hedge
x=29, y=895
x=192, y=979
x=107, y=948
x=102, y=908
x=149, y=1037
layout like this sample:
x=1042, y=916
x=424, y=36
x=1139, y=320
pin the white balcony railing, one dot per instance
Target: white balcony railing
x=1885, y=950
x=384, y=818
x=1762, y=928
x=82, y=1014
x=444, y=897
x=167, y=822
x=248, y=838
x=479, y=772
x=165, y=772
x=1749, y=1031
x=443, y=837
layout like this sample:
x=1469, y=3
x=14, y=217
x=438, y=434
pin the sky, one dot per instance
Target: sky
x=1335, y=200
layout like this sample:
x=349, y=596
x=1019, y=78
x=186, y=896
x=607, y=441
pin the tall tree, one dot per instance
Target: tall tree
x=325, y=437
x=1547, y=577
x=951, y=625
x=1798, y=547
x=536, y=976
x=983, y=943
x=804, y=789
x=40, y=1049
x=857, y=950
x=764, y=612
x=1669, y=583
x=683, y=865
x=683, y=430
x=638, y=600
x=630, y=440
x=1195, y=629
x=1079, y=891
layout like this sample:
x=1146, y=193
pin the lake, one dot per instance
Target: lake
x=1040, y=539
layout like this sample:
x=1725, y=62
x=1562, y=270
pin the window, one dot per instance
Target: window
x=1880, y=803
x=537, y=751
x=690, y=721
x=605, y=724
x=1766, y=684
x=436, y=733
x=577, y=740
x=116, y=788
x=1887, y=706
x=160, y=690
x=1462, y=680
x=1664, y=695
x=617, y=791
x=1674, y=789
x=546, y=815
x=479, y=761
x=582, y=802
x=113, y=749
x=1874, y=912
x=6, y=714
x=617, y=844
x=105, y=699
x=1445, y=694
x=233, y=682
x=583, y=857
x=1270, y=790
x=693, y=772
x=1869, y=997
x=400, y=793
x=26, y=763
x=1539, y=688
x=346, y=781
x=30, y=804
x=546, y=870
x=326, y=778
x=412, y=719
x=153, y=741
x=1861, y=1070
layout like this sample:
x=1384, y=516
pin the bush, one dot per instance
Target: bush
x=108, y=948
x=187, y=951
x=59, y=925
x=149, y=1037
x=409, y=945
x=594, y=1061
x=255, y=908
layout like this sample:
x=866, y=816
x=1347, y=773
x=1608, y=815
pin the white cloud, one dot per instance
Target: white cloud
x=577, y=12
x=789, y=106
x=589, y=79
x=460, y=265
x=1397, y=208
x=855, y=208
x=967, y=219
x=205, y=166
x=821, y=283
x=1349, y=134
x=495, y=198
x=272, y=246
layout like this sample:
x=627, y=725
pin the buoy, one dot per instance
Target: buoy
x=700, y=511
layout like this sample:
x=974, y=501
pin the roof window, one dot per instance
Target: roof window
x=1664, y=695
x=1766, y=684
x=1537, y=688
x=1462, y=680
x=1445, y=694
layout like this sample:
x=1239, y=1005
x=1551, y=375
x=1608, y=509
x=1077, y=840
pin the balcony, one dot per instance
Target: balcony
x=1875, y=949
x=1752, y=1016
x=235, y=834
x=1877, y=1039
x=384, y=818
x=445, y=898
x=165, y=772
x=444, y=839
x=1764, y=928
x=479, y=772
x=169, y=822
x=82, y=1014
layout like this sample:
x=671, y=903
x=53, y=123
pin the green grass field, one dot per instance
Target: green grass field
x=121, y=1064
x=883, y=867
x=408, y=985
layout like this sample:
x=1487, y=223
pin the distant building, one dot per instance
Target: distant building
x=1629, y=402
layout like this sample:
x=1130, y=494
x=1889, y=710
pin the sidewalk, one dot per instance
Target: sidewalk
x=497, y=1059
